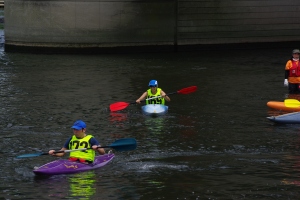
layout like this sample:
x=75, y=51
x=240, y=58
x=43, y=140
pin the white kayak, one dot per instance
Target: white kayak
x=289, y=118
x=154, y=109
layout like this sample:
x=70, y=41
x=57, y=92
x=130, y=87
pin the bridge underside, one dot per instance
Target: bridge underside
x=111, y=25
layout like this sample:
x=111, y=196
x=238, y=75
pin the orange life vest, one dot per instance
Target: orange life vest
x=295, y=69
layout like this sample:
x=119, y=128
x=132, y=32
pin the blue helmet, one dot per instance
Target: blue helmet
x=78, y=125
x=153, y=83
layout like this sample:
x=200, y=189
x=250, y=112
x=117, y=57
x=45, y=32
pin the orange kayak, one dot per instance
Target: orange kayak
x=279, y=105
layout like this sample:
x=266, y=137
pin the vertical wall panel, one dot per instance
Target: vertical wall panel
x=237, y=21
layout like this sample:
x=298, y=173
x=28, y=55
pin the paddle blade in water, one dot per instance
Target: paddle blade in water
x=31, y=155
x=125, y=144
x=118, y=106
x=291, y=103
x=128, y=147
x=187, y=90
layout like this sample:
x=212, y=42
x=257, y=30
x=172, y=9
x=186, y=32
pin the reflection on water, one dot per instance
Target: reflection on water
x=155, y=125
x=292, y=167
x=82, y=185
x=273, y=112
x=293, y=96
x=73, y=186
x=118, y=118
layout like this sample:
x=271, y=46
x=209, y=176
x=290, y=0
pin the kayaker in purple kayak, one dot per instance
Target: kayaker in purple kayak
x=80, y=140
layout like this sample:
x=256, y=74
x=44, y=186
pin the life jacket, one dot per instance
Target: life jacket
x=295, y=69
x=75, y=143
x=159, y=100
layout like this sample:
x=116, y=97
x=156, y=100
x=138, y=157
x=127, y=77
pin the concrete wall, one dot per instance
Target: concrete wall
x=238, y=21
x=124, y=23
x=90, y=23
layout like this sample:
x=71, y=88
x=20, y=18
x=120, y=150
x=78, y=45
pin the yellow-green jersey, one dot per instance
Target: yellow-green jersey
x=77, y=143
x=159, y=100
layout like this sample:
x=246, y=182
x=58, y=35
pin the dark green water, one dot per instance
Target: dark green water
x=215, y=143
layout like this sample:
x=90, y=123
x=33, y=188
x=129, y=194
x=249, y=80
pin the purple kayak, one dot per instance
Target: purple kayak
x=63, y=166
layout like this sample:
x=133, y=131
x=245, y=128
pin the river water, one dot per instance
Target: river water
x=215, y=143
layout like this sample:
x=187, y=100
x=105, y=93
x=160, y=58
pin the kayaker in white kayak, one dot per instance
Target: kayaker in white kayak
x=154, y=91
x=292, y=73
x=80, y=140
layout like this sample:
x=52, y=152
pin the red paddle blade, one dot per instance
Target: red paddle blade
x=187, y=90
x=118, y=106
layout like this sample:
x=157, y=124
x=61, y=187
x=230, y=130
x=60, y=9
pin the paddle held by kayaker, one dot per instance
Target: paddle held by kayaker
x=157, y=95
x=80, y=140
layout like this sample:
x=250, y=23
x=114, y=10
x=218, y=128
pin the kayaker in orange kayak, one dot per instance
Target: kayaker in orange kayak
x=154, y=91
x=80, y=140
x=292, y=73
